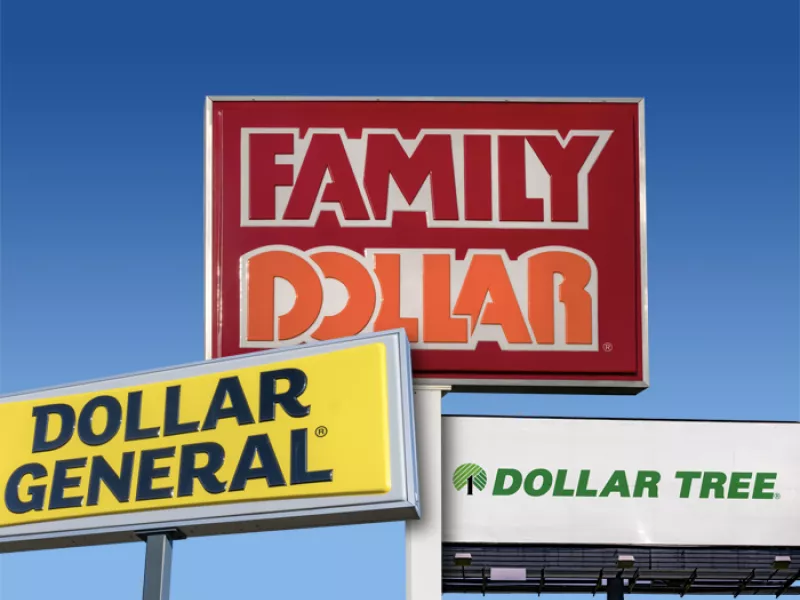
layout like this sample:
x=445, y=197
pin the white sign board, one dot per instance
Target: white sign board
x=571, y=481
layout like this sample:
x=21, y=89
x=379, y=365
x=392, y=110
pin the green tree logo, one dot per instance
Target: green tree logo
x=469, y=475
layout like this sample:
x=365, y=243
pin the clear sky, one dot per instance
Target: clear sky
x=102, y=211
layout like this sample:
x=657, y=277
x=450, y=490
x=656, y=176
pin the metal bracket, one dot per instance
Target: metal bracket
x=173, y=533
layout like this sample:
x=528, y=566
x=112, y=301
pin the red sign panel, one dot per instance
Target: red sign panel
x=506, y=237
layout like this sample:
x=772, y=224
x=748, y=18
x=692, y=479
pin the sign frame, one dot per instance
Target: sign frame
x=400, y=503
x=569, y=383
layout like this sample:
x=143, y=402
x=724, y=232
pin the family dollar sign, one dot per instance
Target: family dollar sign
x=506, y=238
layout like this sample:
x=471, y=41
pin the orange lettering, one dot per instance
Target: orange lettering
x=437, y=323
x=487, y=278
x=355, y=316
x=485, y=297
x=262, y=271
x=387, y=269
x=577, y=273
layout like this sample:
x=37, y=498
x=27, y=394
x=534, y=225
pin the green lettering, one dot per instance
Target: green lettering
x=687, y=477
x=583, y=485
x=617, y=484
x=739, y=486
x=647, y=480
x=559, y=489
x=762, y=485
x=500, y=488
x=547, y=482
x=715, y=482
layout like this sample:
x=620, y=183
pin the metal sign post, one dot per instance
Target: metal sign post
x=424, y=537
x=158, y=563
x=615, y=589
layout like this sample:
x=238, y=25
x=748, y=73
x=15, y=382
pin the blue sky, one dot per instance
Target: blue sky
x=102, y=212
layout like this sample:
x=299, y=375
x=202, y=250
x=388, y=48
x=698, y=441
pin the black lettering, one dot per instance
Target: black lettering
x=42, y=416
x=257, y=445
x=189, y=471
x=133, y=422
x=300, y=472
x=36, y=502
x=228, y=387
x=117, y=484
x=148, y=472
x=172, y=424
x=113, y=422
x=269, y=396
x=61, y=483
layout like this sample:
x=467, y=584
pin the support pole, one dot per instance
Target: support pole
x=424, y=536
x=158, y=563
x=615, y=589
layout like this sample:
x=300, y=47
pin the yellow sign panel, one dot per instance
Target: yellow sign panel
x=309, y=427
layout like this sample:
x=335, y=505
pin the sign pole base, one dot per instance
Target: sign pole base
x=424, y=536
x=615, y=589
x=158, y=563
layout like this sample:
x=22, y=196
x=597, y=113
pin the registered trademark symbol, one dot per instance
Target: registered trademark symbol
x=321, y=431
x=777, y=496
x=608, y=347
